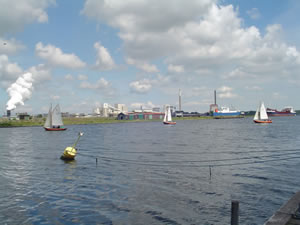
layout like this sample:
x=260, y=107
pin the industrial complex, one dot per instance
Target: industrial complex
x=121, y=112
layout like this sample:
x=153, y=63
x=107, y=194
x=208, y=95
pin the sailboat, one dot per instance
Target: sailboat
x=168, y=117
x=261, y=115
x=54, y=120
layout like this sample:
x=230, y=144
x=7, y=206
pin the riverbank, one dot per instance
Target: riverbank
x=4, y=122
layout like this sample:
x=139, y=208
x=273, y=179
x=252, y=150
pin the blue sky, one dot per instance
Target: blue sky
x=82, y=54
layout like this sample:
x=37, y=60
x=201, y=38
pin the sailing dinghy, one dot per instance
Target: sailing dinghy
x=54, y=120
x=261, y=115
x=168, y=117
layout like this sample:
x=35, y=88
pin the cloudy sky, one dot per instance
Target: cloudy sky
x=82, y=54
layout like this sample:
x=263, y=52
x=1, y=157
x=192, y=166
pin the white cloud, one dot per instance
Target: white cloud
x=203, y=37
x=40, y=73
x=254, y=13
x=175, y=68
x=55, y=57
x=15, y=14
x=226, y=92
x=144, y=25
x=225, y=89
x=197, y=103
x=144, y=15
x=147, y=105
x=9, y=71
x=82, y=77
x=253, y=88
x=142, y=65
x=227, y=95
x=55, y=97
x=278, y=96
x=104, y=60
x=10, y=46
x=145, y=85
x=100, y=84
x=197, y=91
x=141, y=86
x=236, y=73
x=69, y=77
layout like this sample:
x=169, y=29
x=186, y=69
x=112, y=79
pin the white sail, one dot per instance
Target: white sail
x=166, y=114
x=56, y=116
x=256, y=116
x=263, y=112
x=169, y=115
x=48, y=122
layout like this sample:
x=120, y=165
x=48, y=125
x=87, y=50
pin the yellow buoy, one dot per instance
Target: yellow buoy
x=70, y=152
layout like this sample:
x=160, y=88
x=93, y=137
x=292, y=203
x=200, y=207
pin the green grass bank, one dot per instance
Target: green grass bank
x=4, y=122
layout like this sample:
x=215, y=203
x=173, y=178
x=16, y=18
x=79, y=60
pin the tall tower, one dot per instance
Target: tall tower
x=213, y=107
x=215, y=97
x=179, y=99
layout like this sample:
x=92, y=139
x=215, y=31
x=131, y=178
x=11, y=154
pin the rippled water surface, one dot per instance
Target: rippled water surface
x=148, y=173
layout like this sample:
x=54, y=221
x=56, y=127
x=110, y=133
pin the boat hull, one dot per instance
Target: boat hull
x=227, y=114
x=169, y=123
x=281, y=114
x=54, y=129
x=262, y=121
x=288, y=111
x=229, y=117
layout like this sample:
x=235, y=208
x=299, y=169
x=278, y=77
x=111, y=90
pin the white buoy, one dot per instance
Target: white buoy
x=70, y=152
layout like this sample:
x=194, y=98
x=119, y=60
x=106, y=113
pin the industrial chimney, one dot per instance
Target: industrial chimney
x=213, y=107
x=179, y=100
x=215, y=97
x=8, y=113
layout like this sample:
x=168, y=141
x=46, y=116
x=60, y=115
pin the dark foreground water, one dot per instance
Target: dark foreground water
x=148, y=173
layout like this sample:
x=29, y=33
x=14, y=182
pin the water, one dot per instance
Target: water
x=148, y=173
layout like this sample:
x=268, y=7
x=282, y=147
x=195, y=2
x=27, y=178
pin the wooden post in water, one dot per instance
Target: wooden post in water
x=234, y=212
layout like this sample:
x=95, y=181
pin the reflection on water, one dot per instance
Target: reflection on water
x=147, y=173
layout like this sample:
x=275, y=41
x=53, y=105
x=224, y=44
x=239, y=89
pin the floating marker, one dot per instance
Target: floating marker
x=70, y=152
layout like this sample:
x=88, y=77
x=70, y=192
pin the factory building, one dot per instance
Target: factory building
x=156, y=109
x=23, y=116
x=141, y=116
x=107, y=110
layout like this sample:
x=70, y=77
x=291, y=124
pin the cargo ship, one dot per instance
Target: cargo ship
x=287, y=111
x=226, y=112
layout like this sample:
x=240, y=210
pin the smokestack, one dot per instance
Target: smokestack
x=215, y=97
x=179, y=100
x=8, y=113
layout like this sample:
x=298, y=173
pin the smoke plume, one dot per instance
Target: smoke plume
x=19, y=91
